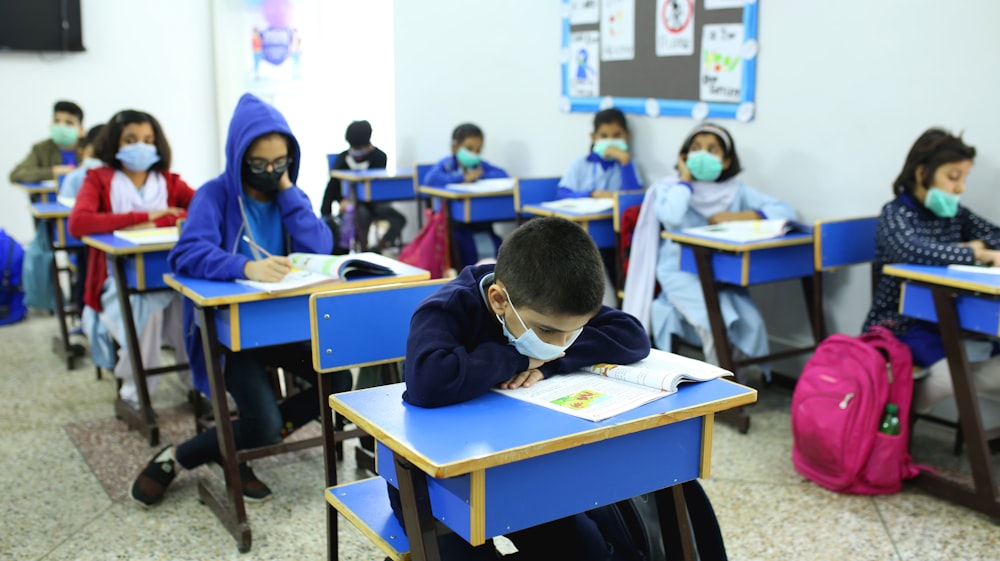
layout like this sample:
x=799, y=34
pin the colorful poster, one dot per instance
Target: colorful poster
x=617, y=29
x=275, y=44
x=584, y=64
x=721, y=62
x=583, y=12
x=724, y=4
x=674, y=27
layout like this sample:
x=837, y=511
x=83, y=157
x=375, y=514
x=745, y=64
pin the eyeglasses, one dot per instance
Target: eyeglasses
x=259, y=165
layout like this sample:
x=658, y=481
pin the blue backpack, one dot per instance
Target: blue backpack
x=11, y=292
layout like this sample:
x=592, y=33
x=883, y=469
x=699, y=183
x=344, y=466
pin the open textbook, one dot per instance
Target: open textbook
x=496, y=185
x=605, y=390
x=982, y=269
x=150, y=236
x=740, y=231
x=582, y=205
x=310, y=269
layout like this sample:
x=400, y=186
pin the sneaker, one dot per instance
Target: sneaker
x=152, y=483
x=254, y=489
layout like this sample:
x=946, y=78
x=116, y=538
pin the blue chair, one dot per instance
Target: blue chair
x=330, y=160
x=419, y=172
x=837, y=244
x=533, y=191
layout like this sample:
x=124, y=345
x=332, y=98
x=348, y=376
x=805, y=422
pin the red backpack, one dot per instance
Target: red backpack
x=837, y=407
x=430, y=249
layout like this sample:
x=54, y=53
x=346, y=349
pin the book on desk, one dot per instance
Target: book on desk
x=602, y=391
x=150, y=236
x=741, y=231
x=309, y=269
x=581, y=205
x=495, y=185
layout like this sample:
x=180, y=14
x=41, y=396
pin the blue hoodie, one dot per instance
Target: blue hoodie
x=208, y=243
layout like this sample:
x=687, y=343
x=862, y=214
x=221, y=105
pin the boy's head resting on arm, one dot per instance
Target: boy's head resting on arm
x=134, y=141
x=935, y=171
x=709, y=154
x=467, y=144
x=549, y=279
x=67, y=124
x=264, y=171
x=610, y=130
x=359, y=138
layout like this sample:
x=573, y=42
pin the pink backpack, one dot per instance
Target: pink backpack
x=430, y=249
x=837, y=407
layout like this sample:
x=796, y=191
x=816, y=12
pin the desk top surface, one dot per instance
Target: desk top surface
x=494, y=429
x=50, y=210
x=687, y=238
x=575, y=216
x=113, y=245
x=371, y=174
x=450, y=193
x=49, y=186
x=986, y=283
x=206, y=293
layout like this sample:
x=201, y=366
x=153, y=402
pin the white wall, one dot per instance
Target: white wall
x=152, y=55
x=841, y=95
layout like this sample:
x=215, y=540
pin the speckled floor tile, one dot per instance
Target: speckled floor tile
x=925, y=528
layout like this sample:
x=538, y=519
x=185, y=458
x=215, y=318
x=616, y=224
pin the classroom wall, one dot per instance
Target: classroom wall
x=841, y=96
x=153, y=55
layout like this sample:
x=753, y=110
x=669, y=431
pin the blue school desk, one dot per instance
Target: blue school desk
x=375, y=185
x=717, y=263
x=136, y=268
x=40, y=191
x=600, y=226
x=53, y=216
x=495, y=465
x=957, y=301
x=465, y=207
x=236, y=317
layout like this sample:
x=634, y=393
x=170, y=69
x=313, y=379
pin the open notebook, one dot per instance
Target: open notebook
x=309, y=269
x=581, y=205
x=150, y=236
x=498, y=185
x=740, y=231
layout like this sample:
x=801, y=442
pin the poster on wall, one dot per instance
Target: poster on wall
x=274, y=43
x=584, y=78
x=674, y=27
x=721, y=62
x=583, y=12
x=617, y=29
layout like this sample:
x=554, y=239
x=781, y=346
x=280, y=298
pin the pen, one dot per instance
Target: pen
x=254, y=245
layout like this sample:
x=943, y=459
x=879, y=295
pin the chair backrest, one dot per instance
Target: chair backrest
x=377, y=315
x=330, y=160
x=419, y=173
x=534, y=190
x=623, y=201
x=840, y=243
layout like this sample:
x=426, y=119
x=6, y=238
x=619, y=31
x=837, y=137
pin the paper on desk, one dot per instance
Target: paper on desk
x=484, y=185
x=66, y=201
x=975, y=269
x=582, y=205
x=150, y=236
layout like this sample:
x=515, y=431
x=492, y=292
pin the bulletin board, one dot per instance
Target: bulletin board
x=685, y=58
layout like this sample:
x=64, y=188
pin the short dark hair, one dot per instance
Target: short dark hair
x=466, y=130
x=68, y=107
x=728, y=147
x=359, y=133
x=934, y=148
x=91, y=135
x=553, y=267
x=610, y=116
x=106, y=145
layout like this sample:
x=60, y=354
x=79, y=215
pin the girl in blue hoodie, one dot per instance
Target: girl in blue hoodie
x=255, y=197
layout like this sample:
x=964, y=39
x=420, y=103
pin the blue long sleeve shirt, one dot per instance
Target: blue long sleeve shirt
x=590, y=173
x=448, y=171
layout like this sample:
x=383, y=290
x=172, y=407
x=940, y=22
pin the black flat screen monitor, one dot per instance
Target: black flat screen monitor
x=40, y=25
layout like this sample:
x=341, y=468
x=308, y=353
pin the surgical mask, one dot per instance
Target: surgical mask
x=267, y=182
x=601, y=146
x=64, y=135
x=529, y=343
x=359, y=155
x=467, y=158
x=941, y=203
x=704, y=165
x=138, y=156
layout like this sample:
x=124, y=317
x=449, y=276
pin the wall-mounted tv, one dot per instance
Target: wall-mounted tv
x=40, y=25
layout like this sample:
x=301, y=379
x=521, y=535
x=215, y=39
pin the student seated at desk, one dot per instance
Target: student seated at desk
x=925, y=225
x=256, y=198
x=133, y=190
x=73, y=181
x=536, y=313
x=55, y=155
x=706, y=190
x=362, y=155
x=465, y=165
x=608, y=167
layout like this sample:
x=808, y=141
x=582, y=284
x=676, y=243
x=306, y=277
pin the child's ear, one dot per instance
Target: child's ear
x=593, y=137
x=497, y=299
x=454, y=147
x=919, y=174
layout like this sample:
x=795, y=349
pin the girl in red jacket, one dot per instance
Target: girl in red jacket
x=133, y=190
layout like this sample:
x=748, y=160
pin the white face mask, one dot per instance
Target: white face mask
x=529, y=344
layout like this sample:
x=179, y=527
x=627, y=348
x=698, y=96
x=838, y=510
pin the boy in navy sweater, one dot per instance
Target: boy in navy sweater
x=537, y=313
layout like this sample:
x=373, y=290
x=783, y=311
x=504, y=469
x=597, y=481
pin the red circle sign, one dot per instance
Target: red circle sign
x=687, y=20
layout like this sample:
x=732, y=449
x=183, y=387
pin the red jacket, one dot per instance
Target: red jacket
x=92, y=215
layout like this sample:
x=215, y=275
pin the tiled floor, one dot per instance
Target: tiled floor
x=54, y=505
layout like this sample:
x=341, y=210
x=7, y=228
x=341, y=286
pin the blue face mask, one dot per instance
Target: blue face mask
x=704, y=165
x=138, y=156
x=601, y=146
x=941, y=203
x=467, y=158
x=529, y=344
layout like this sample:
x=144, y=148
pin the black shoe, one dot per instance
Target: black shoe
x=152, y=483
x=254, y=489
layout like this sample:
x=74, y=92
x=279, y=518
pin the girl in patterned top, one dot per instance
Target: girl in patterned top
x=925, y=225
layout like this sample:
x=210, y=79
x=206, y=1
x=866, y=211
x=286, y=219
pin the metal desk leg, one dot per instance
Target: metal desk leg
x=737, y=417
x=329, y=460
x=143, y=420
x=984, y=495
x=417, y=517
x=230, y=510
x=60, y=345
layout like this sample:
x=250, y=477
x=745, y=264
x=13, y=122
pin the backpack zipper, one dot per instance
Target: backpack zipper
x=846, y=400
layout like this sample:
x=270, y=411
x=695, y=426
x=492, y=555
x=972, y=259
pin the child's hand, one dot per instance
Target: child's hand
x=473, y=174
x=726, y=216
x=976, y=245
x=683, y=170
x=616, y=153
x=271, y=269
x=284, y=182
x=172, y=210
x=61, y=170
x=602, y=194
x=524, y=379
x=989, y=257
